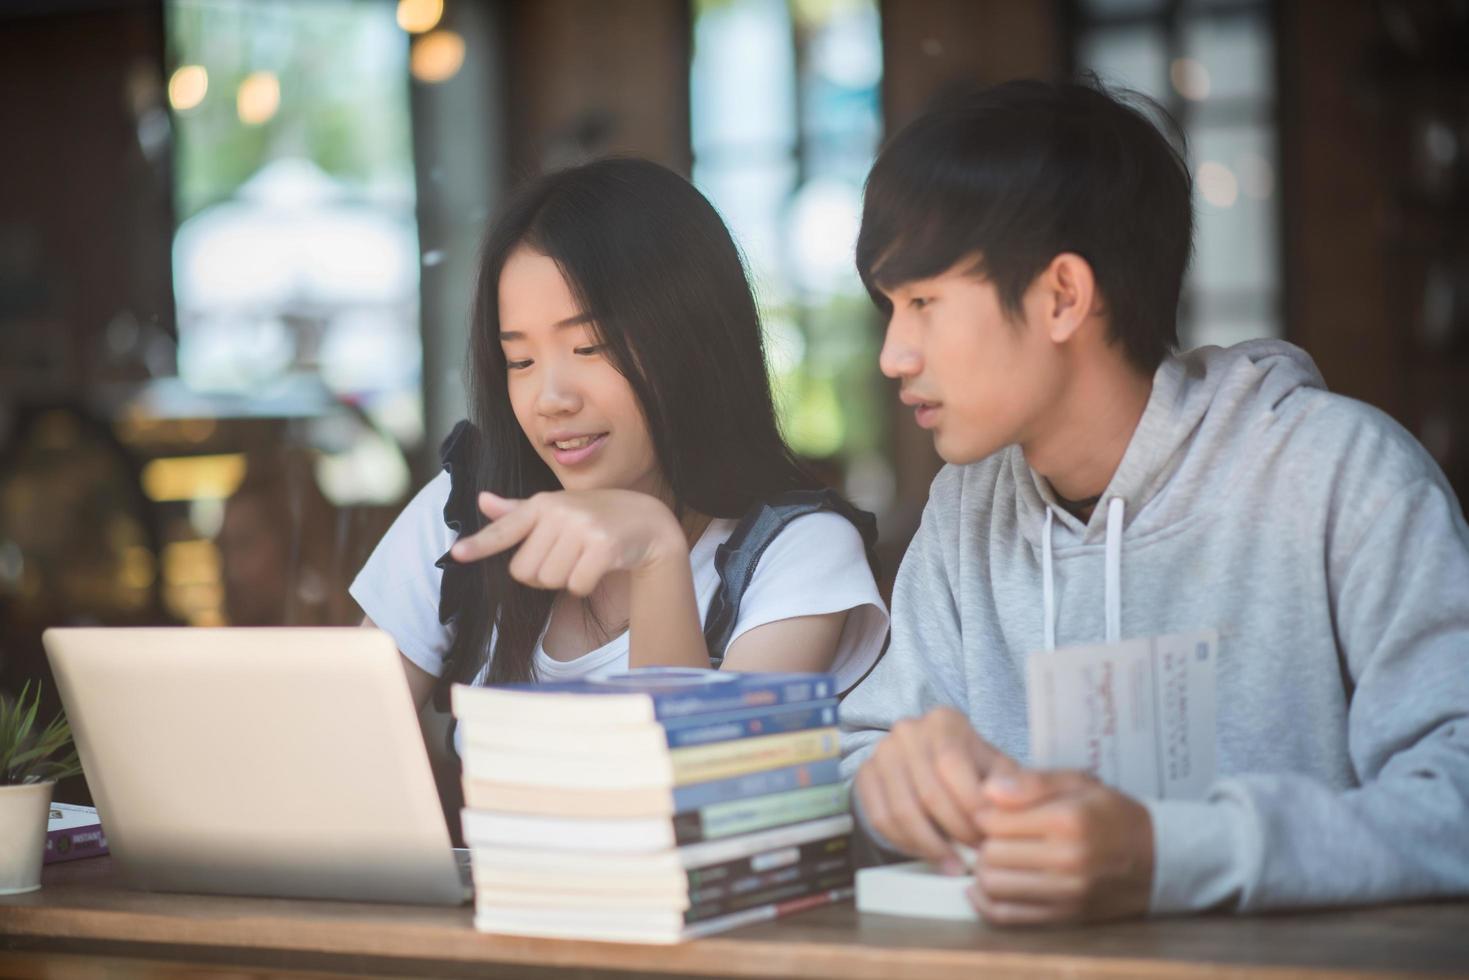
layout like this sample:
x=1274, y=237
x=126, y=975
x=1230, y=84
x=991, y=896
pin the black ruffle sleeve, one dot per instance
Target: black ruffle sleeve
x=461, y=513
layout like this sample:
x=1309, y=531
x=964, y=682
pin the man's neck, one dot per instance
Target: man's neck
x=1082, y=440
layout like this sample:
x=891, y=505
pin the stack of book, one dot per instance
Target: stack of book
x=652, y=806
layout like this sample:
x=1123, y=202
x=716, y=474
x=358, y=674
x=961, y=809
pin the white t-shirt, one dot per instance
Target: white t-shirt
x=816, y=565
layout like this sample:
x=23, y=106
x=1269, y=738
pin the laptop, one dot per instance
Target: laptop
x=257, y=761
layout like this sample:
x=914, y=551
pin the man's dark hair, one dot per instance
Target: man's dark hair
x=1016, y=174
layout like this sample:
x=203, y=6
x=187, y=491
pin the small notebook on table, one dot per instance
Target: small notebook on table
x=915, y=888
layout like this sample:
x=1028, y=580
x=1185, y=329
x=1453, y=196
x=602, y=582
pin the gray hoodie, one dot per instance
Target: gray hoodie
x=1327, y=549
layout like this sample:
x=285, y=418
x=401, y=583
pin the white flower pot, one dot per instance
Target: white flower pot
x=24, y=810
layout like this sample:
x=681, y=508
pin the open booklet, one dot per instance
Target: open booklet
x=1138, y=715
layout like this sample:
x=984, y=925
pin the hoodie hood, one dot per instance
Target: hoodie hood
x=1204, y=407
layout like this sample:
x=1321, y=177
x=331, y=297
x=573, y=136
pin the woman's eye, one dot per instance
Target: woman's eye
x=590, y=351
x=919, y=302
x=517, y=365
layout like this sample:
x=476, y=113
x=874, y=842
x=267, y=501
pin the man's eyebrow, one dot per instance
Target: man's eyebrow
x=571, y=321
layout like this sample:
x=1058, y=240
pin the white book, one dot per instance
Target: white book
x=671, y=862
x=1139, y=715
x=636, y=927
x=916, y=889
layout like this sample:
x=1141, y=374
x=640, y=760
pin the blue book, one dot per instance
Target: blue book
x=726, y=725
x=650, y=694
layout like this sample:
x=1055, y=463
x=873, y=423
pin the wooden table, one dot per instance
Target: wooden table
x=84, y=924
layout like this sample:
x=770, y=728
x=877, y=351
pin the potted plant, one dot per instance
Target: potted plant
x=32, y=759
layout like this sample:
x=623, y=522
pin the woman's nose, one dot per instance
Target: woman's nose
x=558, y=394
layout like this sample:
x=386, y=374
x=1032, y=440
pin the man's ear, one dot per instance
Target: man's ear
x=1071, y=295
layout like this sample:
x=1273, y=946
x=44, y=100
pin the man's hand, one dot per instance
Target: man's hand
x=572, y=539
x=923, y=785
x=1061, y=847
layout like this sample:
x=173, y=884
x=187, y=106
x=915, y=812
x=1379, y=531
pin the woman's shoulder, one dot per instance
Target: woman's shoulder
x=822, y=530
x=428, y=509
x=824, y=525
x=812, y=548
x=423, y=529
x=817, y=547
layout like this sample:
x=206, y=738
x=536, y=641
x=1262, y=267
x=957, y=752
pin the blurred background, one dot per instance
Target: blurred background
x=237, y=240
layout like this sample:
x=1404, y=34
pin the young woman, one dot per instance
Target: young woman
x=623, y=427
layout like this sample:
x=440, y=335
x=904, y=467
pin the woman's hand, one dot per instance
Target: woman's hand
x=572, y=539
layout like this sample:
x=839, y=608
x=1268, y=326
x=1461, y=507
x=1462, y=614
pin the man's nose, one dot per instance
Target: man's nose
x=899, y=357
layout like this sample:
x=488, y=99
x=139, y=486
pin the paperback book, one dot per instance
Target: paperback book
x=668, y=887
x=641, y=834
x=638, y=801
x=73, y=831
x=496, y=734
x=652, y=693
x=595, y=769
x=1139, y=715
x=652, y=926
x=767, y=848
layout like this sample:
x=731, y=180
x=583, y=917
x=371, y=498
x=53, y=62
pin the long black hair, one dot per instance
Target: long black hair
x=648, y=258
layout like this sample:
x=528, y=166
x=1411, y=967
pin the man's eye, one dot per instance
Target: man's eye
x=517, y=365
x=919, y=302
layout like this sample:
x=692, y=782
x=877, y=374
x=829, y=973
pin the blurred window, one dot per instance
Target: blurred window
x=296, y=264
x=297, y=249
x=1210, y=63
x=786, y=120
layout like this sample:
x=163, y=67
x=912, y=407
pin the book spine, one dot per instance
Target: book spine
x=841, y=879
x=751, y=693
x=703, y=729
x=722, y=760
x=759, y=813
x=775, y=859
x=696, y=796
x=764, y=913
x=73, y=843
x=479, y=735
x=560, y=801
x=509, y=735
x=729, y=848
x=807, y=870
x=485, y=828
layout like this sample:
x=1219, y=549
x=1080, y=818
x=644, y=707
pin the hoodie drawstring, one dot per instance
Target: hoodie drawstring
x=1112, y=581
x=1048, y=582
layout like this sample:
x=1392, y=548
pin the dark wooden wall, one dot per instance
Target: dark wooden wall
x=86, y=216
x=1335, y=203
x=1370, y=219
x=589, y=77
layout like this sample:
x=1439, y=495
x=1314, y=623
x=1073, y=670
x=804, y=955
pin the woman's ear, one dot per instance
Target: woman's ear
x=1071, y=295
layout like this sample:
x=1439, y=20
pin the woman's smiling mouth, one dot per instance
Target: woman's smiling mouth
x=571, y=450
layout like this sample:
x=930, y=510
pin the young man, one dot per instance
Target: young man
x=1029, y=245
